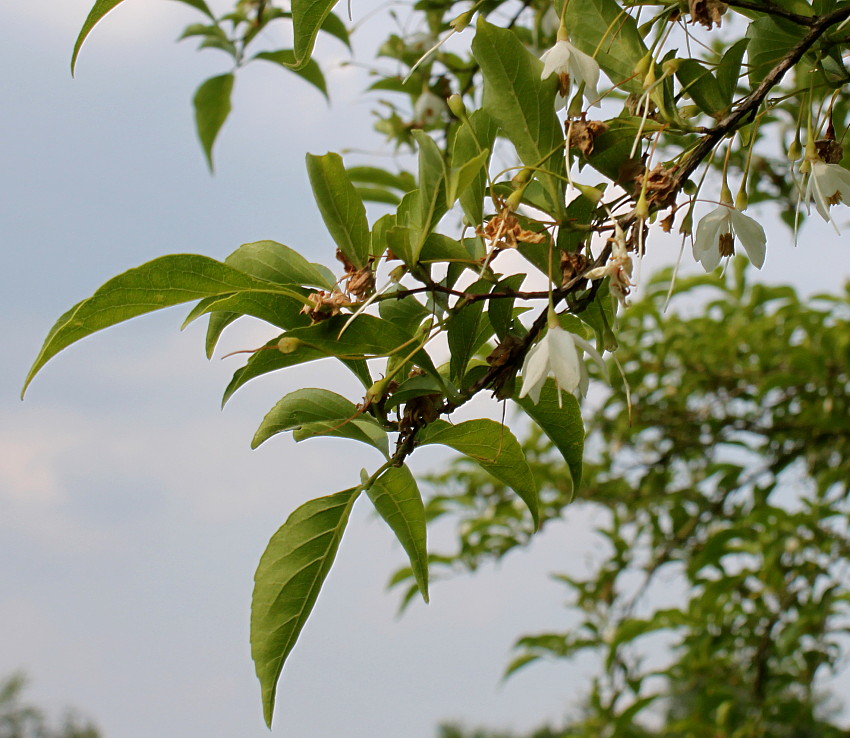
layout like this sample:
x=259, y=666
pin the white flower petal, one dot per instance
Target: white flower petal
x=535, y=369
x=563, y=359
x=814, y=191
x=591, y=351
x=556, y=59
x=751, y=235
x=709, y=230
x=585, y=69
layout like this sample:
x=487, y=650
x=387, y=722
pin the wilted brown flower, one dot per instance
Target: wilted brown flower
x=707, y=12
x=583, y=134
x=660, y=186
x=504, y=231
x=573, y=264
x=323, y=305
x=829, y=150
x=361, y=282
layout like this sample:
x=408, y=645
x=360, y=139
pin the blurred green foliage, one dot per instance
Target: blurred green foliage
x=719, y=605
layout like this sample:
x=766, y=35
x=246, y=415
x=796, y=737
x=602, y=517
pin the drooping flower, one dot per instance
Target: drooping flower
x=716, y=234
x=429, y=109
x=571, y=66
x=559, y=354
x=618, y=269
x=828, y=184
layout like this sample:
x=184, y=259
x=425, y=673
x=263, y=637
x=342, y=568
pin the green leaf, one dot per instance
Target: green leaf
x=199, y=5
x=470, y=141
x=314, y=412
x=438, y=247
x=288, y=579
x=274, y=262
x=699, y=83
x=308, y=16
x=432, y=189
x=770, y=39
x=398, y=501
x=212, y=106
x=407, y=312
x=561, y=421
x=462, y=177
x=311, y=71
x=334, y=26
x=282, y=311
x=341, y=207
x=100, y=9
x=729, y=69
x=462, y=329
x=269, y=359
x=603, y=29
x=168, y=280
x=495, y=449
x=522, y=104
x=382, y=178
x=501, y=312
x=612, y=149
x=366, y=336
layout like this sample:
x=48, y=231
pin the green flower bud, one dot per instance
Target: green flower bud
x=288, y=344
x=455, y=103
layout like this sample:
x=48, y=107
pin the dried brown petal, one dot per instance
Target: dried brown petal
x=505, y=351
x=707, y=12
x=572, y=264
x=361, y=283
x=583, y=134
x=829, y=150
x=660, y=186
x=323, y=305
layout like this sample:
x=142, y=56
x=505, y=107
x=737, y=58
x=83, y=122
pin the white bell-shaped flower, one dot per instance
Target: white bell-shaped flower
x=559, y=354
x=716, y=234
x=573, y=67
x=828, y=184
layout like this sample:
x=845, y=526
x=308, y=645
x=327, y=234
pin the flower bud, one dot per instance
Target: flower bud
x=671, y=66
x=522, y=177
x=288, y=344
x=591, y=193
x=795, y=150
x=462, y=21
x=642, y=207
x=455, y=103
x=742, y=199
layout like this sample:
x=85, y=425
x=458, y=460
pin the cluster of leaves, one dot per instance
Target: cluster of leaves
x=722, y=599
x=435, y=265
x=20, y=720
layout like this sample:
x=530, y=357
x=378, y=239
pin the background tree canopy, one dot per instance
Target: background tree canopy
x=719, y=604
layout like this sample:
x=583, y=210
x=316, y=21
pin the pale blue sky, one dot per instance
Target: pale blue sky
x=132, y=511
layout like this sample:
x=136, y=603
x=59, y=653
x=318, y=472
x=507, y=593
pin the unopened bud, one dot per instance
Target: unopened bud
x=742, y=199
x=642, y=207
x=515, y=199
x=591, y=193
x=795, y=150
x=397, y=273
x=455, y=103
x=671, y=66
x=288, y=344
x=522, y=177
x=462, y=21
x=376, y=392
x=686, y=227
